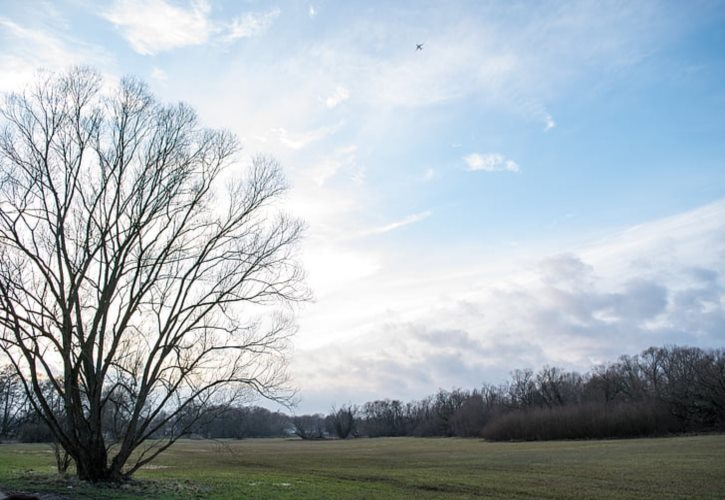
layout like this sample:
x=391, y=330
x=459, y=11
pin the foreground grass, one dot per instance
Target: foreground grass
x=692, y=467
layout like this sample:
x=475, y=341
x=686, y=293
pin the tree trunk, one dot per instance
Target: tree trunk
x=92, y=464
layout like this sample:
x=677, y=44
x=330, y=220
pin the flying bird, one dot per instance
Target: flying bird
x=419, y=46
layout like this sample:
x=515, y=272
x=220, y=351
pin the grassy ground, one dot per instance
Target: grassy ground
x=681, y=467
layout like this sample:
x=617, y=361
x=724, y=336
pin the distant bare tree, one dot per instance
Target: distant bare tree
x=133, y=269
x=522, y=390
x=558, y=387
x=606, y=383
x=13, y=402
x=309, y=426
x=343, y=421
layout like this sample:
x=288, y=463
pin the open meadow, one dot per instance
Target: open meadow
x=692, y=467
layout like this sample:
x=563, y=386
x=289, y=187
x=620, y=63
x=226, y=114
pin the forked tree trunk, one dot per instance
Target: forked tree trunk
x=92, y=464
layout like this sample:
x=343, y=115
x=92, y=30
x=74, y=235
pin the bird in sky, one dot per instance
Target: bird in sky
x=418, y=46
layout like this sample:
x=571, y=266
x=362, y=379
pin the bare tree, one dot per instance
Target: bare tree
x=309, y=426
x=136, y=276
x=13, y=403
x=522, y=391
x=342, y=421
x=558, y=387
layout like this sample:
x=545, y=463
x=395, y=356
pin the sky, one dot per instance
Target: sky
x=543, y=183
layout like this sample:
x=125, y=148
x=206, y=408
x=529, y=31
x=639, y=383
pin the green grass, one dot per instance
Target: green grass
x=679, y=467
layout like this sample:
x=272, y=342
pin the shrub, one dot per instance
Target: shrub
x=582, y=421
x=35, y=432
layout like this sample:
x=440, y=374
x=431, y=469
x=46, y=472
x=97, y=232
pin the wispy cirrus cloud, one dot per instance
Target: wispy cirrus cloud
x=252, y=24
x=428, y=174
x=405, y=221
x=159, y=74
x=327, y=168
x=300, y=140
x=490, y=162
x=341, y=94
x=27, y=49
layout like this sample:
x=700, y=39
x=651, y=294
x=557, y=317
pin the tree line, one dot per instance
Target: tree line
x=660, y=391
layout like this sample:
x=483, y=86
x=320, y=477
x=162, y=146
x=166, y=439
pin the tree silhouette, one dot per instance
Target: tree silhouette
x=136, y=275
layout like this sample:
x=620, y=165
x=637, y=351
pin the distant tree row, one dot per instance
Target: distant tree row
x=660, y=391
x=18, y=420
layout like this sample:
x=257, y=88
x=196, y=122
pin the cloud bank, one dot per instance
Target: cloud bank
x=654, y=284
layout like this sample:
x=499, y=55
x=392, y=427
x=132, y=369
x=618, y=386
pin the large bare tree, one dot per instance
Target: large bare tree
x=141, y=281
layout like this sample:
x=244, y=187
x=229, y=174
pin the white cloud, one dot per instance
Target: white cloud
x=26, y=49
x=517, y=66
x=340, y=95
x=429, y=174
x=359, y=175
x=347, y=150
x=459, y=324
x=327, y=168
x=521, y=100
x=549, y=123
x=159, y=74
x=312, y=12
x=153, y=26
x=252, y=24
x=405, y=221
x=331, y=267
x=301, y=140
x=491, y=162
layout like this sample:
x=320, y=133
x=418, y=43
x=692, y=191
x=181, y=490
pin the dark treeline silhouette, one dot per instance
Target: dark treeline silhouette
x=242, y=422
x=660, y=391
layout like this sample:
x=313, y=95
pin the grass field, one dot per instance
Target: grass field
x=679, y=467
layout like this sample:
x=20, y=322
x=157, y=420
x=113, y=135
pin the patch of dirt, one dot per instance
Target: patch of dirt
x=46, y=486
x=27, y=495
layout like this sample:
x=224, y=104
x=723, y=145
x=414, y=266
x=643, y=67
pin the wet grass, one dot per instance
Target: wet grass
x=678, y=467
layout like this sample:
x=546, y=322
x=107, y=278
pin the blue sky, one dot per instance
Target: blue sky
x=543, y=183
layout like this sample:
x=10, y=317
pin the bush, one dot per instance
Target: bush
x=35, y=432
x=582, y=421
